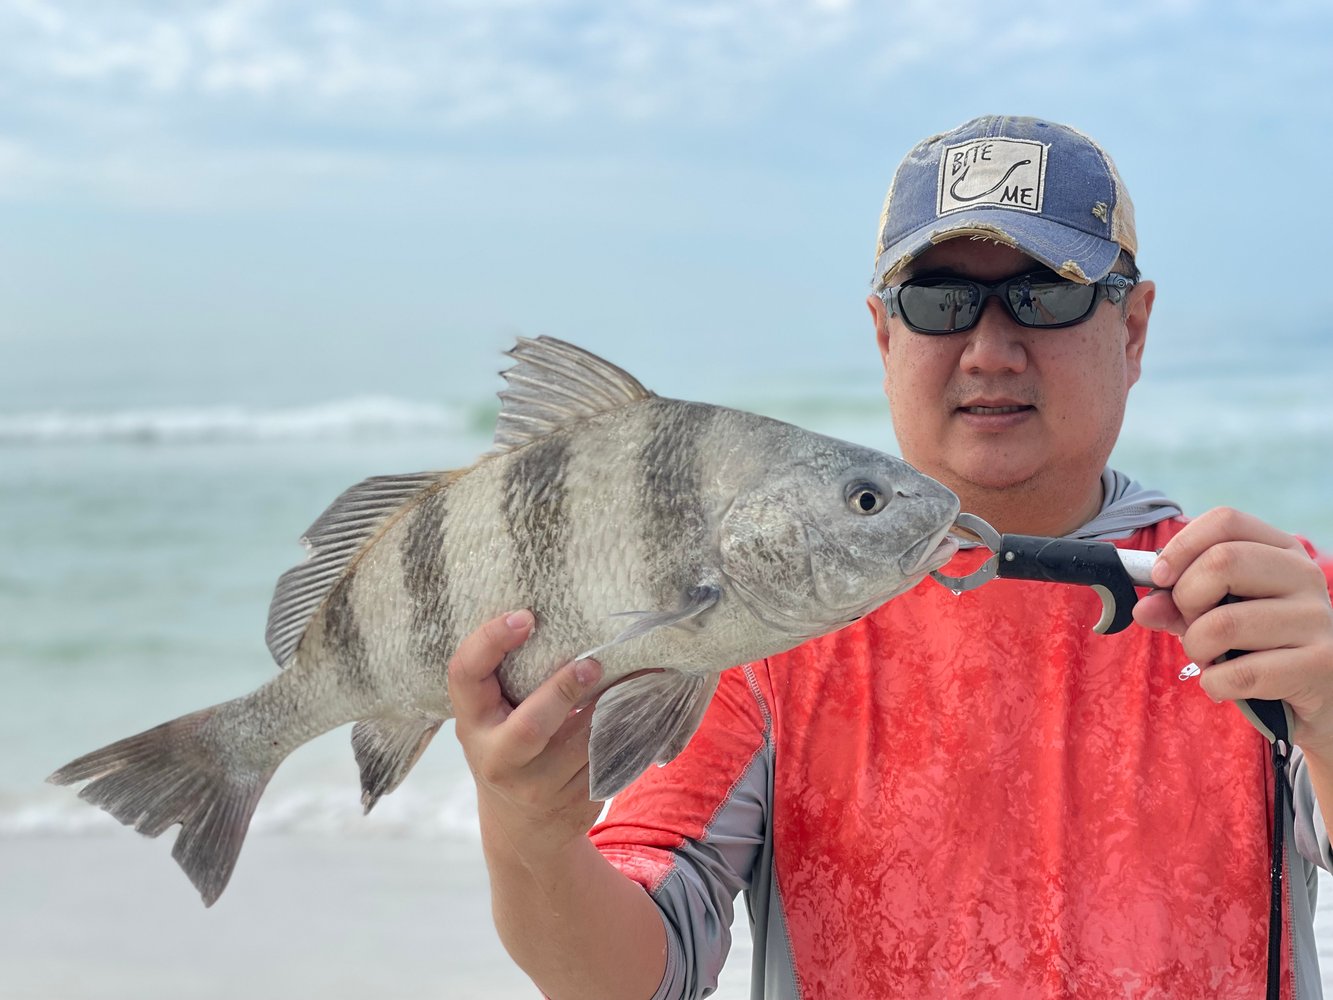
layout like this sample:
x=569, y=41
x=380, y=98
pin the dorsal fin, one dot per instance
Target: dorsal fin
x=333, y=540
x=555, y=384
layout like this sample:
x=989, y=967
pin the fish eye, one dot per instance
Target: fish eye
x=865, y=498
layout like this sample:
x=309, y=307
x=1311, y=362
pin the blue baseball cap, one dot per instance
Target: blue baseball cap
x=1044, y=188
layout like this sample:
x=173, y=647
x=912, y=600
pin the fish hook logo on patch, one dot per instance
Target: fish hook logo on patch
x=1006, y=173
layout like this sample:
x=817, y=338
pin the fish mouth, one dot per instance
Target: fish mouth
x=930, y=554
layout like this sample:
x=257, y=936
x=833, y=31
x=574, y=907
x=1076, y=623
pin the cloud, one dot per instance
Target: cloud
x=18, y=166
x=459, y=62
x=146, y=100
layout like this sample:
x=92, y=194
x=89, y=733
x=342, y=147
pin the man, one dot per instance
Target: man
x=958, y=795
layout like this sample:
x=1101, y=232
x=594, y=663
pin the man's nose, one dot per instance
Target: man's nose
x=996, y=343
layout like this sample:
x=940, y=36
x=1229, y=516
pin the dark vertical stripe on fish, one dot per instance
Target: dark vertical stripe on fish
x=670, y=469
x=343, y=638
x=426, y=579
x=535, y=504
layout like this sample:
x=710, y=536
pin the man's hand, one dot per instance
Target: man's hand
x=570, y=920
x=530, y=762
x=1284, y=620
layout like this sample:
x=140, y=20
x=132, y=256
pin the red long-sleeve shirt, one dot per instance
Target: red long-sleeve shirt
x=971, y=796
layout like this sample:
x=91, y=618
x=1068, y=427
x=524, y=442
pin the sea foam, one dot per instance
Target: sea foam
x=445, y=811
x=356, y=417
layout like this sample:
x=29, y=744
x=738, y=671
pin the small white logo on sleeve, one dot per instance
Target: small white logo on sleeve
x=1006, y=173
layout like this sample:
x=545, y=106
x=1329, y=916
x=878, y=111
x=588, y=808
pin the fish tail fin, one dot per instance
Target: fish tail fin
x=171, y=774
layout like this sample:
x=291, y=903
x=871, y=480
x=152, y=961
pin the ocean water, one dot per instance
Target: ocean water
x=142, y=535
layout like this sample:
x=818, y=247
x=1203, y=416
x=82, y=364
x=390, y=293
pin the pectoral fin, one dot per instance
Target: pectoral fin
x=643, y=721
x=697, y=600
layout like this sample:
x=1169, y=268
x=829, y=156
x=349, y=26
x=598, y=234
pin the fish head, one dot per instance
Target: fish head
x=834, y=535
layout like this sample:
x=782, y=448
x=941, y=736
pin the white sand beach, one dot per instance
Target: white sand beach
x=339, y=918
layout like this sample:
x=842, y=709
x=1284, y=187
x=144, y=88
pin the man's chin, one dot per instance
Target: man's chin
x=989, y=474
x=974, y=467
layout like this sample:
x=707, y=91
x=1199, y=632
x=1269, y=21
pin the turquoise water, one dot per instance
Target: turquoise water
x=141, y=540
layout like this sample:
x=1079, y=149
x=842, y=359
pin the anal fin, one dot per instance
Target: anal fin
x=386, y=749
x=645, y=720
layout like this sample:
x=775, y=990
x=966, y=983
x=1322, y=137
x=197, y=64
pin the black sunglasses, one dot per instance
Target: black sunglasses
x=1040, y=300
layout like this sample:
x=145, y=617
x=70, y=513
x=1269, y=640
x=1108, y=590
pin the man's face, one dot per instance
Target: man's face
x=1001, y=406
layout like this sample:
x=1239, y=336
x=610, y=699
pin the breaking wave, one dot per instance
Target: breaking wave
x=316, y=810
x=357, y=417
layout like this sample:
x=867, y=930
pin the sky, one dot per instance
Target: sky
x=264, y=201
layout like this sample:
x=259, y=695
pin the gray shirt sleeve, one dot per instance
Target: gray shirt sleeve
x=1307, y=851
x=696, y=899
x=1311, y=833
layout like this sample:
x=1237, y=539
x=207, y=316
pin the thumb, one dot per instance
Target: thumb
x=1158, y=611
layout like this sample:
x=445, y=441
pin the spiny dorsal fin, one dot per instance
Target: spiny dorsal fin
x=555, y=384
x=333, y=540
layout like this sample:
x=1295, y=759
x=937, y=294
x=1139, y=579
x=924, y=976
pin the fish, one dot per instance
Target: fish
x=668, y=539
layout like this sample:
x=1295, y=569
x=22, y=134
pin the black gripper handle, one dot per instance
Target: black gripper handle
x=1067, y=560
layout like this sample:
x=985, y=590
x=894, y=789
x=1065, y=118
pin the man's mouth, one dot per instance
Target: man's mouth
x=992, y=411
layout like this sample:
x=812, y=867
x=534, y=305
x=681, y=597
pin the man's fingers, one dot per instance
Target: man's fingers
x=537, y=719
x=1222, y=524
x=1274, y=674
x=473, y=686
x=566, y=752
x=1244, y=569
x=1271, y=623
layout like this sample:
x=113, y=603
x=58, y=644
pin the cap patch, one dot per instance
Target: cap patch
x=1005, y=173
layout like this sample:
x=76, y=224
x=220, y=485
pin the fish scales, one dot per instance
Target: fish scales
x=534, y=496
x=628, y=549
x=426, y=566
x=654, y=534
x=346, y=642
x=675, y=519
x=570, y=512
x=638, y=545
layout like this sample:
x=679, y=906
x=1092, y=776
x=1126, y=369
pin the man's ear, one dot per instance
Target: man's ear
x=880, y=317
x=1138, y=309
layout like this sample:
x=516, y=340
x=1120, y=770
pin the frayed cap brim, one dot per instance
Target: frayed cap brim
x=1077, y=255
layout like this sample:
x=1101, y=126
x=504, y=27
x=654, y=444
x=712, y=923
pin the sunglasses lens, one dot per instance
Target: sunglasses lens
x=948, y=305
x=939, y=305
x=1041, y=301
